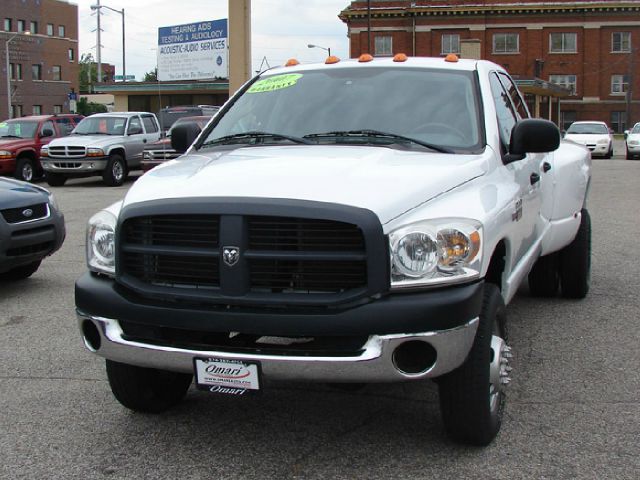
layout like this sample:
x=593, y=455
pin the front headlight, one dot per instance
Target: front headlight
x=101, y=245
x=435, y=252
x=53, y=202
x=95, y=152
x=44, y=152
x=4, y=154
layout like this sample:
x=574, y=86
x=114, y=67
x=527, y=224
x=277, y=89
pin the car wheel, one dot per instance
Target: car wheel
x=472, y=397
x=544, y=278
x=115, y=173
x=21, y=272
x=575, y=261
x=25, y=169
x=55, y=179
x=146, y=389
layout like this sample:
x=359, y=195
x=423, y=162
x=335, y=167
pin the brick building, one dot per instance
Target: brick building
x=43, y=63
x=590, y=47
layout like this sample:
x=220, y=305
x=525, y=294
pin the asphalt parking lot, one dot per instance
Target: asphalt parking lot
x=573, y=409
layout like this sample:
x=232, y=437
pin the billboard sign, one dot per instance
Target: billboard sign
x=194, y=51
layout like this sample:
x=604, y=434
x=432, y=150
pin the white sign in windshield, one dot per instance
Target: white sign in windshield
x=194, y=51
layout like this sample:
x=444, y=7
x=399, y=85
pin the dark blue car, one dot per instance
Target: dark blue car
x=31, y=228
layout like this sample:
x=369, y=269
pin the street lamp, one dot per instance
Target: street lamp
x=323, y=48
x=6, y=54
x=121, y=12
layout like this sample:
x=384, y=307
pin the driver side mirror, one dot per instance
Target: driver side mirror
x=46, y=132
x=532, y=135
x=183, y=135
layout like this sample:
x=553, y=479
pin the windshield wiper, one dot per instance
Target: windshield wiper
x=378, y=134
x=10, y=136
x=253, y=137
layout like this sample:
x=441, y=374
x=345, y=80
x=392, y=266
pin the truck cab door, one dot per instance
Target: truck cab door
x=134, y=141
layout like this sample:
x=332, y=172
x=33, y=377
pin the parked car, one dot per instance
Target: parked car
x=31, y=228
x=596, y=136
x=107, y=144
x=169, y=115
x=327, y=228
x=632, y=142
x=21, y=140
x=159, y=152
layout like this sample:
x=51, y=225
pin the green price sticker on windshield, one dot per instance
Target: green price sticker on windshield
x=277, y=82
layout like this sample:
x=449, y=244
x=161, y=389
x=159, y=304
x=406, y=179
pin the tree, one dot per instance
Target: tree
x=83, y=107
x=88, y=73
x=151, y=76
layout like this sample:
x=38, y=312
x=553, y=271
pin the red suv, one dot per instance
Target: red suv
x=21, y=140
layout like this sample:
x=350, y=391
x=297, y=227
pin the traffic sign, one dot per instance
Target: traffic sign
x=124, y=77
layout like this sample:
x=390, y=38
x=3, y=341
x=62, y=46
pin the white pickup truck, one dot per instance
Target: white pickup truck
x=355, y=221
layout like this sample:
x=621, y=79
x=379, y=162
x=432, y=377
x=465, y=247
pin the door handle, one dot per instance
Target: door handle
x=534, y=178
x=546, y=166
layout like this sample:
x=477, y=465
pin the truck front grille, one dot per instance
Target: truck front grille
x=26, y=214
x=67, y=151
x=184, y=255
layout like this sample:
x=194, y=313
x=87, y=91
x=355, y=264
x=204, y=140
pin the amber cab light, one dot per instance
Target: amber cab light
x=452, y=57
x=292, y=62
x=400, y=57
x=364, y=58
x=331, y=60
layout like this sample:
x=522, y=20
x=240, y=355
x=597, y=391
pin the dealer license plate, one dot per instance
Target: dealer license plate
x=231, y=377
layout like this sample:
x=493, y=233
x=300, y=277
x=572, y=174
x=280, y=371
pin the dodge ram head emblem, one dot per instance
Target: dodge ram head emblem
x=230, y=255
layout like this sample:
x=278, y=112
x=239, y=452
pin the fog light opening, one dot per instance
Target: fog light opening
x=91, y=336
x=414, y=357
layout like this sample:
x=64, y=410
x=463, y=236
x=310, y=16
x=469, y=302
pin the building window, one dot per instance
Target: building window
x=618, y=121
x=57, y=109
x=567, y=117
x=72, y=55
x=619, y=84
x=36, y=72
x=450, y=43
x=567, y=81
x=33, y=28
x=61, y=31
x=7, y=24
x=37, y=110
x=506, y=43
x=56, y=73
x=15, y=71
x=16, y=111
x=621, y=42
x=50, y=29
x=383, y=46
x=563, y=42
x=21, y=25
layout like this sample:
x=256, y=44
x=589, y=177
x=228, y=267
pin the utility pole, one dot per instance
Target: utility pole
x=98, y=52
x=239, y=43
x=629, y=93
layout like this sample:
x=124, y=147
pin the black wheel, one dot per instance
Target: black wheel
x=472, y=397
x=25, y=169
x=115, y=173
x=544, y=278
x=609, y=153
x=21, y=272
x=575, y=261
x=146, y=389
x=55, y=179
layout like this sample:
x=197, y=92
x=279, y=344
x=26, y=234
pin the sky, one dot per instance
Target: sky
x=279, y=29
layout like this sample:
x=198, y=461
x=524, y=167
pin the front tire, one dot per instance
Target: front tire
x=25, y=169
x=575, y=261
x=472, y=397
x=544, y=278
x=115, y=173
x=146, y=389
x=55, y=179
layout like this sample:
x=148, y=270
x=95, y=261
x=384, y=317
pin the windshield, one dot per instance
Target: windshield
x=101, y=126
x=169, y=117
x=636, y=128
x=18, y=129
x=588, y=128
x=435, y=107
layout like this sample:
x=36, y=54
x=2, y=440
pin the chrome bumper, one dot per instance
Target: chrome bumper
x=74, y=165
x=374, y=364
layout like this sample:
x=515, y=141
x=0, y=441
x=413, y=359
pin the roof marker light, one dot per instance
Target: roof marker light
x=364, y=58
x=400, y=57
x=331, y=60
x=292, y=62
x=452, y=57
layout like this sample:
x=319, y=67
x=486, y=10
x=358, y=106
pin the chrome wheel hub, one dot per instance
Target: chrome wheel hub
x=499, y=370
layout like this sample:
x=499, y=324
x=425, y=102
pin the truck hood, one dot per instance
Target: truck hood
x=15, y=143
x=16, y=194
x=87, y=140
x=386, y=181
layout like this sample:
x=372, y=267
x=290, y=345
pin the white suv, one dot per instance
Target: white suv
x=596, y=136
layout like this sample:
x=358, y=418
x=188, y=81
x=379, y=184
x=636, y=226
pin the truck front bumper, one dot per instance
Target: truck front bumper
x=377, y=362
x=74, y=165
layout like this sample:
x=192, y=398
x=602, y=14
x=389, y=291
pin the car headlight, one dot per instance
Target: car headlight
x=633, y=142
x=4, y=154
x=95, y=152
x=53, y=203
x=101, y=245
x=146, y=155
x=435, y=252
x=44, y=152
x=603, y=141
